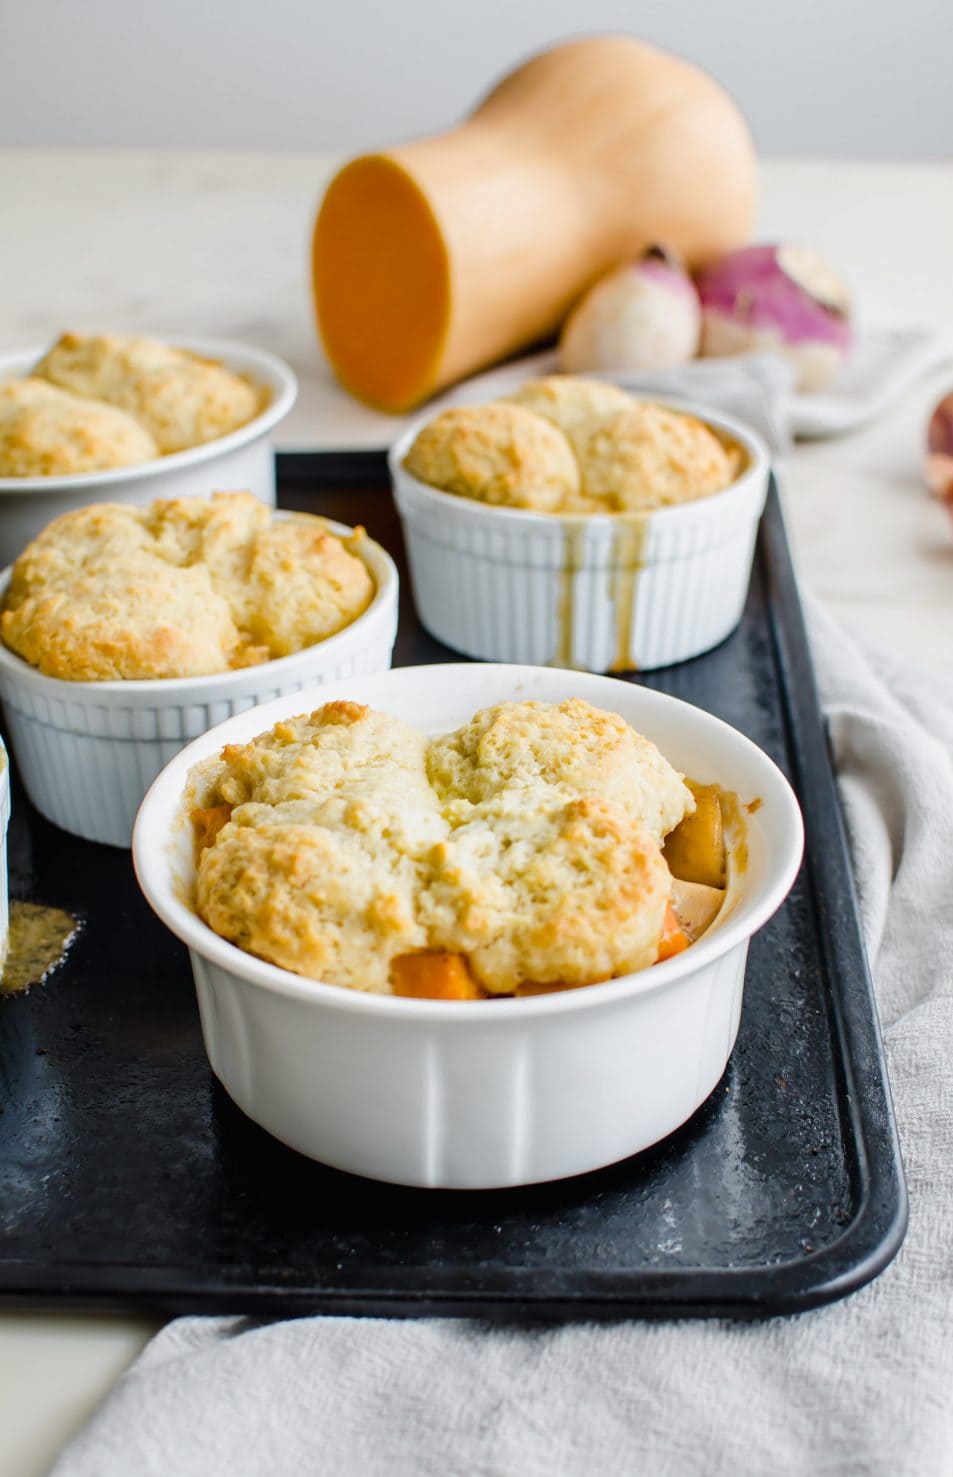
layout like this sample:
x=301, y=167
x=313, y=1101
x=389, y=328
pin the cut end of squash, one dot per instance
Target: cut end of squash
x=381, y=275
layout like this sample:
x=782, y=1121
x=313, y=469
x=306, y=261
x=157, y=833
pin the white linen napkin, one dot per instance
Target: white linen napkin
x=862, y=1386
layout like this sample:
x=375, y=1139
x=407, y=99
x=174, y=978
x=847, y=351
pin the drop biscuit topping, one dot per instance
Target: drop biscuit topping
x=179, y=589
x=522, y=850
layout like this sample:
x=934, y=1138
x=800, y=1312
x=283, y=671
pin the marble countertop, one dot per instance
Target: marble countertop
x=217, y=244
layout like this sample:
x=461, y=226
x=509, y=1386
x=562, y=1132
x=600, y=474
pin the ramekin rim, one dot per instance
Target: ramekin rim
x=285, y=388
x=386, y=579
x=759, y=465
x=185, y=923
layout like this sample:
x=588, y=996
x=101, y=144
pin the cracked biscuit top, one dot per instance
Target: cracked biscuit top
x=603, y=451
x=178, y=589
x=569, y=401
x=44, y=432
x=496, y=453
x=526, y=846
x=181, y=399
x=650, y=457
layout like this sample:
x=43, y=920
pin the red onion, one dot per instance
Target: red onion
x=644, y=315
x=939, y=467
x=781, y=298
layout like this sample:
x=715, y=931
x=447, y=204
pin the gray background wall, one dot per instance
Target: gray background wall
x=861, y=78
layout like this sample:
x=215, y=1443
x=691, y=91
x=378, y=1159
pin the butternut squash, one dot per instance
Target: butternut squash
x=436, y=258
x=434, y=976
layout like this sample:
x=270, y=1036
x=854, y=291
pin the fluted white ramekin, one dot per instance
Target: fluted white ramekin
x=4, y=880
x=615, y=592
x=479, y=1094
x=241, y=461
x=88, y=751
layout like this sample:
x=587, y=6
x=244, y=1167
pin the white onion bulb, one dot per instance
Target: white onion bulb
x=644, y=315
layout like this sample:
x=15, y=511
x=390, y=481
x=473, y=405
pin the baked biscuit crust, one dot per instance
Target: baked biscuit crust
x=319, y=866
x=44, y=432
x=545, y=891
x=650, y=457
x=570, y=402
x=181, y=399
x=572, y=748
x=497, y=453
x=344, y=840
x=629, y=455
x=179, y=589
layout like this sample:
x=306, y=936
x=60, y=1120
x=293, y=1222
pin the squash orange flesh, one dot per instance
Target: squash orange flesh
x=674, y=940
x=435, y=976
x=381, y=282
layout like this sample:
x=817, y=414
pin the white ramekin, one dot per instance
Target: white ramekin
x=610, y=593
x=88, y=751
x=495, y=1092
x=241, y=461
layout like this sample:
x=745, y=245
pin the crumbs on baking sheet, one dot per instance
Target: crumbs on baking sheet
x=37, y=943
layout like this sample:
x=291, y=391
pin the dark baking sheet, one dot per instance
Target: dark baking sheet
x=129, y=1180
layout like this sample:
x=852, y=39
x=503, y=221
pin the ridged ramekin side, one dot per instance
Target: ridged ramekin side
x=600, y=594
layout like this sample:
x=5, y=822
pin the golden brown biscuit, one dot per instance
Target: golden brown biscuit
x=320, y=865
x=46, y=433
x=341, y=841
x=537, y=890
x=344, y=765
x=288, y=584
x=629, y=455
x=572, y=747
x=650, y=457
x=496, y=453
x=570, y=402
x=178, y=589
x=182, y=399
x=312, y=899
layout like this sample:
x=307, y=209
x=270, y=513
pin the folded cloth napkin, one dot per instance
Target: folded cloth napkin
x=883, y=364
x=863, y=1386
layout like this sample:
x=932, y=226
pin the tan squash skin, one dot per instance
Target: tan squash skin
x=436, y=258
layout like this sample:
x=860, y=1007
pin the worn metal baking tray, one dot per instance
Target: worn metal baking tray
x=129, y=1180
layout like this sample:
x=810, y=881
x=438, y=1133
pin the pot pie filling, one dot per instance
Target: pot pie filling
x=539, y=847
